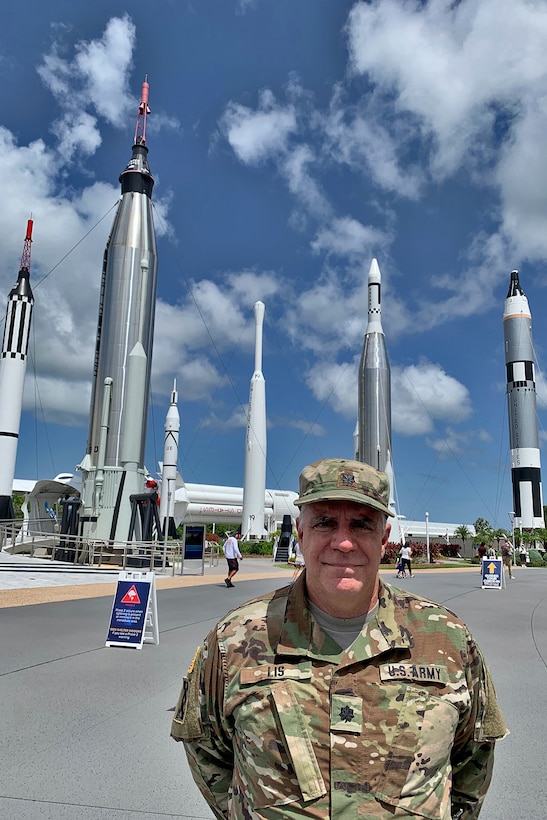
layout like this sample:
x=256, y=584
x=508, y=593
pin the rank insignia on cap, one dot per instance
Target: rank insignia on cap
x=346, y=714
x=347, y=479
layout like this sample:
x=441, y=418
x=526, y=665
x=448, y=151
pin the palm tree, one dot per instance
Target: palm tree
x=462, y=532
x=499, y=534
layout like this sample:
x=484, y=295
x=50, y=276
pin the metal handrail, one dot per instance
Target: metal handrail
x=91, y=552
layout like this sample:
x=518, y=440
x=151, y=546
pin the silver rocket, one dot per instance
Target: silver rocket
x=521, y=405
x=374, y=398
x=169, y=468
x=372, y=438
x=113, y=468
x=254, y=481
x=13, y=367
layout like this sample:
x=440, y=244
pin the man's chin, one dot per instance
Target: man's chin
x=349, y=586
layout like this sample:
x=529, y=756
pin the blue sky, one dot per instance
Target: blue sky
x=290, y=143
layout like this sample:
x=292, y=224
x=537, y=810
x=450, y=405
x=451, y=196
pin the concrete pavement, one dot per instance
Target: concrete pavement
x=86, y=728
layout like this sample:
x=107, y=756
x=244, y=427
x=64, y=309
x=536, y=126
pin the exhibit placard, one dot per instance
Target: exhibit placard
x=492, y=573
x=134, y=617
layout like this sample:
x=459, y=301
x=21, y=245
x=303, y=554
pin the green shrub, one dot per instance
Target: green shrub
x=536, y=559
x=256, y=547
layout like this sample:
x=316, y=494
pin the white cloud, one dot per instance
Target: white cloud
x=423, y=394
x=455, y=442
x=359, y=139
x=97, y=78
x=309, y=428
x=468, y=80
x=335, y=385
x=346, y=236
x=58, y=401
x=216, y=317
x=256, y=136
x=329, y=317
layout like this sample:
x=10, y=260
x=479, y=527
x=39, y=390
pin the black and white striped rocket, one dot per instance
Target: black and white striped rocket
x=113, y=468
x=169, y=466
x=13, y=367
x=521, y=405
x=254, y=481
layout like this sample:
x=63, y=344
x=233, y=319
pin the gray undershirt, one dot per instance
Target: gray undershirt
x=342, y=630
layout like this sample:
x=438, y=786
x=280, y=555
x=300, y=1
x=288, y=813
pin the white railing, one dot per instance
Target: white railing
x=91, y=552
x=47, y=542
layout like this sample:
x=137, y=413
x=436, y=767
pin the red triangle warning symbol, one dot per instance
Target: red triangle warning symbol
x=131, y=596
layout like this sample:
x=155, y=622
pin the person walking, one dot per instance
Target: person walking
x=233, y=556
x=481, y=552
x=523, y=555
x=337, y=697
x=507, y=556
x=406, y=555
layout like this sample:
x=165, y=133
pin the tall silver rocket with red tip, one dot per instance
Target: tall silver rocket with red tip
x=113, y=467
x=521, y=406
x=13, y=367
x=254, y=481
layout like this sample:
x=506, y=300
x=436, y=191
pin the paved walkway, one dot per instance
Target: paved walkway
x=86, y=729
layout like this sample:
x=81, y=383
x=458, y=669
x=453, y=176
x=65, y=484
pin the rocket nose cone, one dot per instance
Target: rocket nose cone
x=374, y=275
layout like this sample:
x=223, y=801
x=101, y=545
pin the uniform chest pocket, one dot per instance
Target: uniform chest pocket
x=277, y=762
x=416, y=769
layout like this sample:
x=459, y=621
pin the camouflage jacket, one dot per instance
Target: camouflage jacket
x=278, y=722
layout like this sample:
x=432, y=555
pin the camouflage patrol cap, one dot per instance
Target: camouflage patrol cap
x=340, y=479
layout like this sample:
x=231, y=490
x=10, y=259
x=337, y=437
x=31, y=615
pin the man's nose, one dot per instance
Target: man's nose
x=343, y=539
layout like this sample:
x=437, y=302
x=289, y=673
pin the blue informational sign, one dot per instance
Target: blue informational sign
x=128, y=618
x=194, y=541
x=492, y=573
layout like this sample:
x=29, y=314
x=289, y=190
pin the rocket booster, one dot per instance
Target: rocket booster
x=169, y=470
x=123, y=352
x=13, y=367
x=372, y=437
x=254, y=482
x=127, y=303
x=374, y=397
x=521, y=405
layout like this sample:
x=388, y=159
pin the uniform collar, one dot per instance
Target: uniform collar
x=300, y=634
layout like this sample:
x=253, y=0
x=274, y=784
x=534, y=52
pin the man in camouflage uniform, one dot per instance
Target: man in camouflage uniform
x=340, y=696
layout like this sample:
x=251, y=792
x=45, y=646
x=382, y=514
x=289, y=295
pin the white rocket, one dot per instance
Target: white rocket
x=372, y=438
x=254, y=481
x=521, y=406
x=12, y=373
x=113, y=468
x=169, y=468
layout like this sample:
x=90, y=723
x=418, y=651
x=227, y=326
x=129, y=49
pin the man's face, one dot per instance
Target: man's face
x=342, y=543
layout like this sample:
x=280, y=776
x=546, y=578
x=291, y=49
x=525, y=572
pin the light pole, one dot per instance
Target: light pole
x=427, y=536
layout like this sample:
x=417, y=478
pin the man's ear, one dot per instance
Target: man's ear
x=385, y=539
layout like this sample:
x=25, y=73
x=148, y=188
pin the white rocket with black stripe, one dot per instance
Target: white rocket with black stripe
x=521, y=405
x=13, y=367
